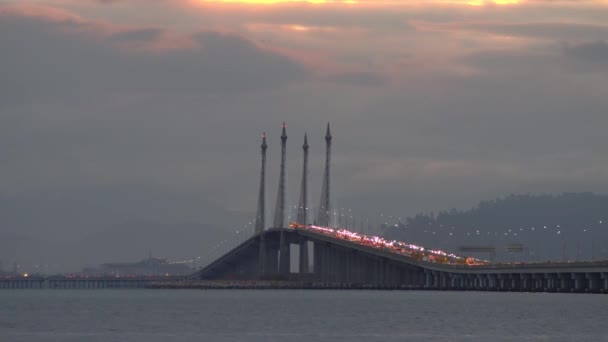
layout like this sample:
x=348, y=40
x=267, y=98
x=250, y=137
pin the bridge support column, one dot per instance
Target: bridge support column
x=564, y=282
x=435, y=280
x=491, y=282
x=537, y=282
x=508, y=282
x=348, y=267
x=391, y=278
x=471, y=279
x=326, y=264
x=502, y=282
x=428, y=279
x=593, y=281
x=272, y=260
x=316, y=256
x=380, y=273
x=552, y=281
x=304, y=262
x=604, y=277
x=284, y=257
x=515, y=282
x=488, y=282
x=479, y=282
x=262, y=257
x=461, y=282
x=579, y=279
x=335, y=264
x=453, y=281
x=525, y=281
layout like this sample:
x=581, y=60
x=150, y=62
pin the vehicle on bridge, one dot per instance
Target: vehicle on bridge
x=416, y=252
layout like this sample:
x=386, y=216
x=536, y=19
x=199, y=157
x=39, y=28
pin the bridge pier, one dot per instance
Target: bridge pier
x=540, y=282
x=490, y=282
x=578, y=282
x=486, y=282
x=454, y=282
x=334, y=266
x=442, y=280
x=272, y=260
x=469, y=282
x=515, y=282
x=316, y=260
x=564, y=282
x=502, y=282
x=523, y=282
x=477, y=282
x=262, y=263
x=593, y=280
x=551, y=280
x=284, y=255
x=304, y=262
x=604, y=277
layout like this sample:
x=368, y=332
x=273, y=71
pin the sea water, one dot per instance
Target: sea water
x=299, y=315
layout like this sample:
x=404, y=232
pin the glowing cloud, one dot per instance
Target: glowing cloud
x=363, y=2
x=267, y=2
x=492, y=2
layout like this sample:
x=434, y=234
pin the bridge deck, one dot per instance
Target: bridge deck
x=339, y=260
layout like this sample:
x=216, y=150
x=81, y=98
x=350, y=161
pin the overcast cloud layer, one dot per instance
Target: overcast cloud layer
x=150, y=112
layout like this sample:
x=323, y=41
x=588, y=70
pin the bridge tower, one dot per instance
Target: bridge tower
x=260, y=221
x=323, y=219
x=279, y=214
x=303, y=209
x=260, y=218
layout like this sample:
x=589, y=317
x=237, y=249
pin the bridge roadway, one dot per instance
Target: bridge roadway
x=341, y=263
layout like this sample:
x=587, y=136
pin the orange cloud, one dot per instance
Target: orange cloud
x=39, y=11
x=276, y=2
x=362, y=2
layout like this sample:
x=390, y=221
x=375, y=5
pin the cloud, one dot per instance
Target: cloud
x=140, y=116
x=145, y=35
x=61, y=58
x=589, y=55
x=556, y=31
x=364, y=79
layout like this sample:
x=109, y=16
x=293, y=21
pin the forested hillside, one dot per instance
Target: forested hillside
x=571, y=226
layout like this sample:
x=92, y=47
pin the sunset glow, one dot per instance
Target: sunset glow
x=493, y=2
x=265, y=2
x=364, y=2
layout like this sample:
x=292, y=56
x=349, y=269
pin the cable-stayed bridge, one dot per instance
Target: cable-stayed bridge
x=340, y=258
x=320, y=255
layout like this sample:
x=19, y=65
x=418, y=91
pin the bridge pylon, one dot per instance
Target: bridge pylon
x=260, y=221
x=303, y=209
x=323, y=218
x=279, y=214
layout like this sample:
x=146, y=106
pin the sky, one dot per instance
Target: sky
x=147, y=113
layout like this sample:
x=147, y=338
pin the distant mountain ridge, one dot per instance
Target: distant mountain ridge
x=571, y=226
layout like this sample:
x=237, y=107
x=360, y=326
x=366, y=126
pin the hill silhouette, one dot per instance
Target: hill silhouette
x=568, y=226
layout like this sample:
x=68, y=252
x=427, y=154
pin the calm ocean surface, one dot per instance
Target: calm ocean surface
x=294, y=315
